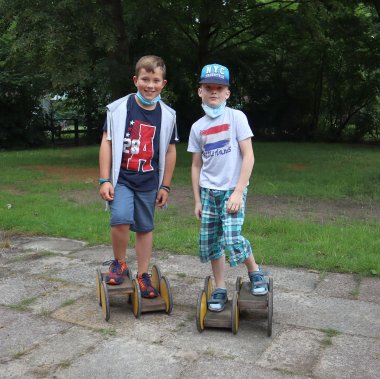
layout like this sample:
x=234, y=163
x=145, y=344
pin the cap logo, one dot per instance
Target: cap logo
x=215, y=74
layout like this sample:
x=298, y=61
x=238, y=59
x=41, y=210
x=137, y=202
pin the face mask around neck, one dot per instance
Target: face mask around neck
x=148, y=102
x=214, y=112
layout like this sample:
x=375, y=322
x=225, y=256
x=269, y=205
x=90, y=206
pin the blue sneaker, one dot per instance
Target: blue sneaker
x=217, y=300
x=259, y=284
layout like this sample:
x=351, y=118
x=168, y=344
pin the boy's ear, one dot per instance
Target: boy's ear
x=228, y=94
x=200, y=91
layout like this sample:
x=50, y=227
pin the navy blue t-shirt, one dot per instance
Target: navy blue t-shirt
x=139, y=165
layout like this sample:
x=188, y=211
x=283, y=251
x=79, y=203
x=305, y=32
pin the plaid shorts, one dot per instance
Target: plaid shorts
x=221, y=230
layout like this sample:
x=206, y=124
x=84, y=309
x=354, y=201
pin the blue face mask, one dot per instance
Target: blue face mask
x=214, y=112
x=148, y=102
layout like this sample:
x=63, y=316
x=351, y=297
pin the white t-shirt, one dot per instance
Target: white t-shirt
x=218, y=141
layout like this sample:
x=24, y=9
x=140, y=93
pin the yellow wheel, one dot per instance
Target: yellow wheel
x=166, y=294
x=136, y=299
x=156, y=277
x=201, y=311
x=235, y=312
x=98, y=281
x=105, y=300
x=208, y=287
x=239, y=282
x=270, y=307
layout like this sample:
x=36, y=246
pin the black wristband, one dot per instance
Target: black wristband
x=165, y=188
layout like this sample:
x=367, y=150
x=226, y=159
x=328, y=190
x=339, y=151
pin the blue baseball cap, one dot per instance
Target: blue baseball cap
x=215, y=74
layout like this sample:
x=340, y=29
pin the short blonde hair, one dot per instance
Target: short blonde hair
x=150, y=63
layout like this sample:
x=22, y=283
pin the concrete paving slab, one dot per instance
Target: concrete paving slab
x=20, y=332
x=293, y=280
x=59, y=351
x=23, y=289
x=87, y=312
x=58, y=330
x=96, y=254
x=54, y=299
x=75, y=272
x=345, y=286
x=294, y=351
x=369, y=290
x=214, y=367
x=55, y=245
x=317, y=312
x=47, y=266
x=350, y=357
x=124, y=358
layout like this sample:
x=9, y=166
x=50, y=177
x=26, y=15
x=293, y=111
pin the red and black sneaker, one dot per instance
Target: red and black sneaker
x=146, y=288
x=117, y=272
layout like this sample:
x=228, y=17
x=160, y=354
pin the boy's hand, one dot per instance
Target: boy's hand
x=162, y=198
x=106, y=191
x=235, y=202
x=198, y=211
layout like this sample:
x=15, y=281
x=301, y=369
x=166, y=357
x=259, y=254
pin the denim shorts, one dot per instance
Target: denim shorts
x=221, y=230
x=134, y=208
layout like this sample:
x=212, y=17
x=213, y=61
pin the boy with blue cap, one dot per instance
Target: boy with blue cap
x=222, y=164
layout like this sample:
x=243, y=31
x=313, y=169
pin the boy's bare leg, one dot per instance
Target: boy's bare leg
x=144, y=245
x=120, y=239
x=218, y=271
x=251, y=263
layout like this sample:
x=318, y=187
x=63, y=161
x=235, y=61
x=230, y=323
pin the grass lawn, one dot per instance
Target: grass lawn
x=54, y=192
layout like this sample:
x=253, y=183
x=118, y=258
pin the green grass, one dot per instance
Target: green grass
x=308, y=170
x=39, y=203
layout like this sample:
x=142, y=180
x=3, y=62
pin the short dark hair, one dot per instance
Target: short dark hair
x=150, y=63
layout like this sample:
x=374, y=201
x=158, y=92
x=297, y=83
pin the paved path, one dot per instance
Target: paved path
x=325, y=325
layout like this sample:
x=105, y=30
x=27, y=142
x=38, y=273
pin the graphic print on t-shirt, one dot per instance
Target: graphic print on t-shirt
x=138, y=148
x=215, y=137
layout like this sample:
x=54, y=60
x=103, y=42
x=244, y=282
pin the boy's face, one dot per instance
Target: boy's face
x=149, y=84
x=213, y=94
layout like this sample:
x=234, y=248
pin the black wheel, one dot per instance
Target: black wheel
x=270, y=307
x=166, y=294
x=235, y=312
x=136, y=299
x=239, y=282
x=98, y=281
x=156, y=277
x=201, y=310
x=105, y=300
x=208, y=287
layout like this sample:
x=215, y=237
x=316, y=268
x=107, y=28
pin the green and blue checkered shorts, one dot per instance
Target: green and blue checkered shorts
x=221, y=230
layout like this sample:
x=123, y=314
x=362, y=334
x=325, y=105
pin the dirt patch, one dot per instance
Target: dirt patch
x=318, y=210
x=67, y=173
x=298, y=167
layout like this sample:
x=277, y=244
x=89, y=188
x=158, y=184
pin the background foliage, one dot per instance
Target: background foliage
x=301, y=70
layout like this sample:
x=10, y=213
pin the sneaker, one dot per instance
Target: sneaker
x=146, y=288
x=217, y=300
x=259, y=284
x=117, y=272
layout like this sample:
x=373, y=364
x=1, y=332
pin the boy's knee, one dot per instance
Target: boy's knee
x=117, y=218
